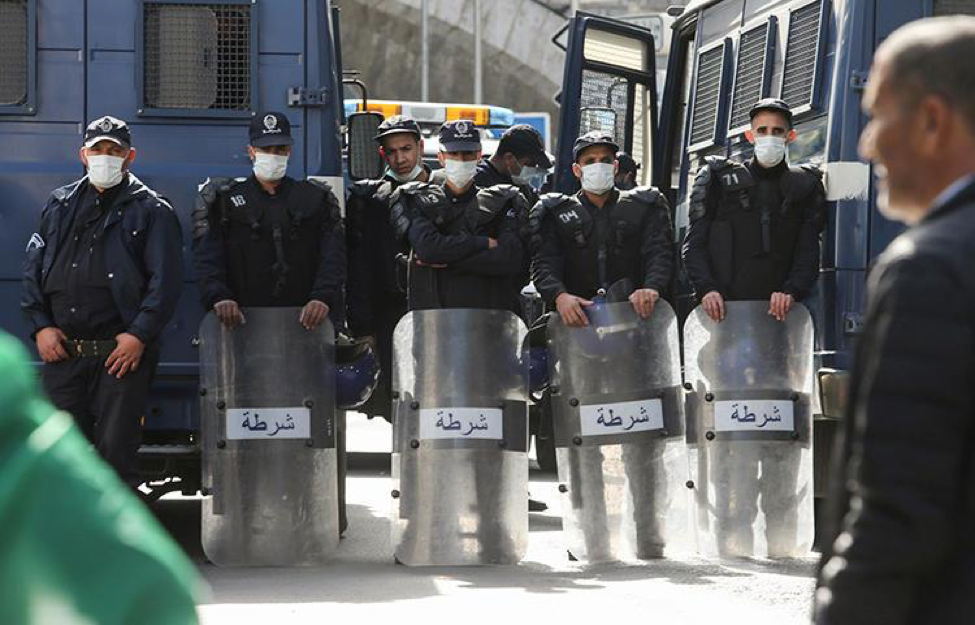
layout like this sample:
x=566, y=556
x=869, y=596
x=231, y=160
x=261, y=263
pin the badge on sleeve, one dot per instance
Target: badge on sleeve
x=36, y=242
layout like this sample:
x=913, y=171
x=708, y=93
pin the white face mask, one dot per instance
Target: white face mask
x=460, y=173
x=270, y=166
x=598, y=178
x=769, y=151
x=410, y=177
x=526, y=174
x=105, y=171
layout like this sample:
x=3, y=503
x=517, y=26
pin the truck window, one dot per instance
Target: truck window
x=14, y=53
x=753, y=70
x=954, y=7
x=198, y=57
x=801, y=75
x=677, y=141
x=710, y=84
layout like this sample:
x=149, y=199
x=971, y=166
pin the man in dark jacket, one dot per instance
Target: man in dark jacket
x=900, y=547
x=754, y=226
x=101, y=281
x=584, y=243
x=464, y=242
x=270, y=240
x=520, y=156
x=377, y=270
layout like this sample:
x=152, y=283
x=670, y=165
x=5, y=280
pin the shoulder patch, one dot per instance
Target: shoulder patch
x=36, y=242
x=644, y=195
x=320, y=183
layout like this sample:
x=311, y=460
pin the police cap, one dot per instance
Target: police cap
x=627, y=163
x=397, y=124
x=771, y=104
x=108, y=128
x=460, y=136
x=523, y=140
x=594, y=137
x=270, y=129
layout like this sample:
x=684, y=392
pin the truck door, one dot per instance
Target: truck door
x=42, y=110
x=609, y=84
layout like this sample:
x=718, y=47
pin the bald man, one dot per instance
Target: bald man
x=902, y=544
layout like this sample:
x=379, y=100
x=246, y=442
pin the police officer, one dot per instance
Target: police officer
x=101, y=281
x=754, y=226
x=270, y=240
x=626, y=173
x=754, y=235
x=377, y=277
x=520, y=156
x=583, y=244
x=586, y=242
x=464, y=242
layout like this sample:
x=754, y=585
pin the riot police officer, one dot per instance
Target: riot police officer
x=101, y=281
x=584, y=243
x=519, y=157
x=464, y=242
x=377, y=277
x=754, y=226
x=272, y=241
x=754, y=235
x=626, y=174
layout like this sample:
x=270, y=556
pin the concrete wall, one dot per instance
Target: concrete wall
x=522, y=68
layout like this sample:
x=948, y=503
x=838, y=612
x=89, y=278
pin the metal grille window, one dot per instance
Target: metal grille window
x=750, y=73
x=197, y=56
x=801, y=57
x=14, y=52
x=954, y=7
x=704, y=118
x=607, y=98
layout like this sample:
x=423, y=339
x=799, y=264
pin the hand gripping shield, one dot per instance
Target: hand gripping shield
x=460, y=438
x=267, y=400
x=749, y=381
x=619, y=434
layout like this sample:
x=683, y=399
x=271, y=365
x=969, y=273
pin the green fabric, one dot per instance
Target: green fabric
x=76, y=545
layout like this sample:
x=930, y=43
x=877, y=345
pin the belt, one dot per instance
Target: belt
x=89, y=349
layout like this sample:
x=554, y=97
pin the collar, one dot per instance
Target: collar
x=953, y=191
x=507, y=178
x=282, y=187
x=108, y=196
x=463, y=197
x=614, y=195
x=957, y=192
x=767, y=172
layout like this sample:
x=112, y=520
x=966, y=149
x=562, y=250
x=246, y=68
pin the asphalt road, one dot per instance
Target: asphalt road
x=365, y=583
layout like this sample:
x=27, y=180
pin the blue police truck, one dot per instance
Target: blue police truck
x=187, y=75
x=724, y=56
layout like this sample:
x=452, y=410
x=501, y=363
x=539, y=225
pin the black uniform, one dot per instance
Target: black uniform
x=260, y=249
x=754, y=231
x=453, y=230
x=578, y=248
x=488, y=176
x=278, y=250
x=102, y=265
x=377, y=276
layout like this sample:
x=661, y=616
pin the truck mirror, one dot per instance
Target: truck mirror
x=363, y=155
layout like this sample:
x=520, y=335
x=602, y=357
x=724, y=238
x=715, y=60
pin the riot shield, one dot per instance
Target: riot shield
x=269, y=433
x=460, y=438
x=619, y=434
x=749, y=381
